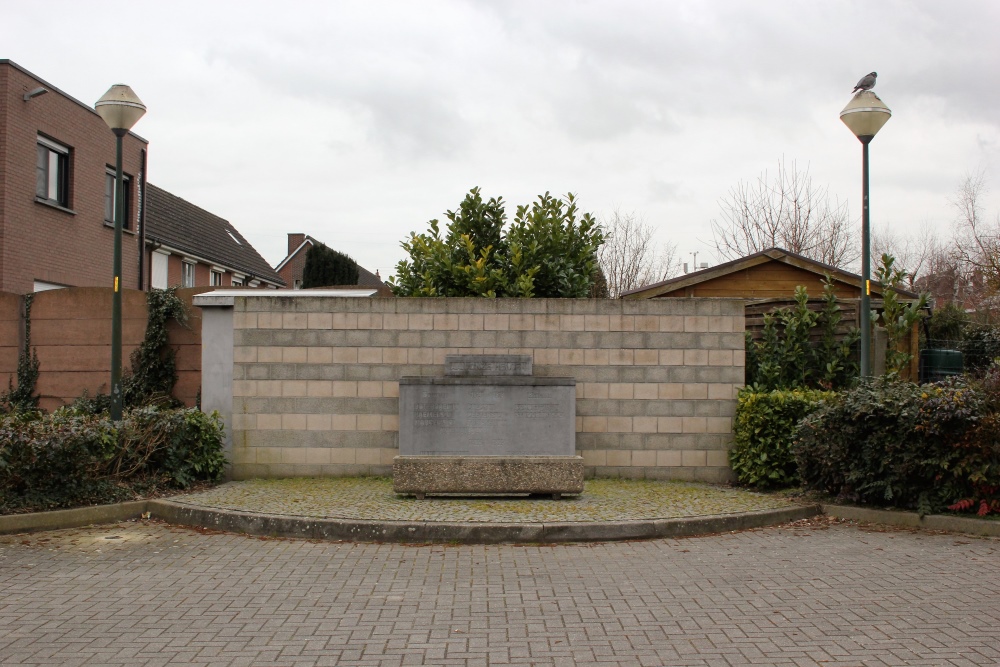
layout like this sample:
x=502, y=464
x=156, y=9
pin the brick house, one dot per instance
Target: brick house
x=57, y=170
x=57, y=160
x=291, y=267
x=188, y=246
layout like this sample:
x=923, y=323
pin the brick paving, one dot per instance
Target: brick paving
x=812, y=593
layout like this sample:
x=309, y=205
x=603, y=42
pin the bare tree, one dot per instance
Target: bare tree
x=629, y=256
x=788, y=212
x=977, y=239
x=915, y=254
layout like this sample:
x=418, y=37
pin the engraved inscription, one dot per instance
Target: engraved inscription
x=483, y=365
x=537, y=410
x=468, y=417
x=441, y=415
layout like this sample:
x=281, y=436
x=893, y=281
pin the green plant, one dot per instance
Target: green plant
x=22, y=398
x=897, y=318
x=980, y=346
x=946, y=326
x=154, y=367
x=549, y=251
x=835, y=366
x=325, y=266
x=786, y=356
x=900, y=444
x=764, y=427
x=71, y=458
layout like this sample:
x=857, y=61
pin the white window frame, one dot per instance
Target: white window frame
x=109, y=217
x=53, y=175
x=215, y=277
x=187, y=273
x=159, y=269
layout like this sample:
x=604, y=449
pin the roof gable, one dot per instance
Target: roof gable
x=794, y=262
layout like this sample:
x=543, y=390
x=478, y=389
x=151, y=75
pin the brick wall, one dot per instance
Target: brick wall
x=315, y=379
x=42, y=242
x=71, y=333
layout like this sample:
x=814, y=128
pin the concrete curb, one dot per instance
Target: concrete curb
x=473, y=533
x=951, y=524
x=72, y=518
x=466, y=533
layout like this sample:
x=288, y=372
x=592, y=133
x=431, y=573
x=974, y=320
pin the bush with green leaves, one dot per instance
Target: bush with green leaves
x=326, y=267
x=71, y=458
x=980, y=346
x=897, y=317
x=787, y=357
x=550, y=250
x=903, y=445
x=764, y=429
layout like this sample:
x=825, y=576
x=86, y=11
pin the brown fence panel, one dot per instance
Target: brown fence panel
x=71, y=331
x=10, y=338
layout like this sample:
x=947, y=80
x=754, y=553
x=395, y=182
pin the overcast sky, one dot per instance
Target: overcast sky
x=357, y=122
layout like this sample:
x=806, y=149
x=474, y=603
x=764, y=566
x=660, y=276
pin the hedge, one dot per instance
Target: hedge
x=764, y=429
x=71, y=458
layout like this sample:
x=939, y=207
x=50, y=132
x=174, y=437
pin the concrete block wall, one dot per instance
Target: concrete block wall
x=315, y=379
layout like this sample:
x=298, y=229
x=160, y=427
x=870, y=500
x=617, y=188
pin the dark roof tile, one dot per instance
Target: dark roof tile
x=180, y=224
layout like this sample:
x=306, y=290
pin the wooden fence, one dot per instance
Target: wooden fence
x=71, y=333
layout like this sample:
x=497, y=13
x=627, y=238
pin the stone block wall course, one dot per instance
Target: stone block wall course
x=315, y=379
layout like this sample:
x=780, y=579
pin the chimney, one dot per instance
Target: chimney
x=294, y=241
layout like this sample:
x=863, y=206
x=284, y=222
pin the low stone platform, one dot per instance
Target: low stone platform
x=501, y=475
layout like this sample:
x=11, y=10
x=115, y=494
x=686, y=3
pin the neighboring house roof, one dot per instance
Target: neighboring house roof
x=365, y=277
x=770, y=255
x=180, y=225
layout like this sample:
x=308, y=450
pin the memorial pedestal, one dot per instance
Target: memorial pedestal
x=489, y=426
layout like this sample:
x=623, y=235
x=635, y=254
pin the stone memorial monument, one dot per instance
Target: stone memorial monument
x=488, y=426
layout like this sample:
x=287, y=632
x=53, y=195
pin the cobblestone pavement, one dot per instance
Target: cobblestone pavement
x=372, y=497
x=812, y=593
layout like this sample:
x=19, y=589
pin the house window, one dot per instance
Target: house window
x=297, y=284
x=187, y=274
x=109, y=198
x=52, y=172
x=216, y=279
x=237, y=282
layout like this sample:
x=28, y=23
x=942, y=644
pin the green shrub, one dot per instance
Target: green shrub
x=72, y=458
x=900, y=444
x=980, y=346
x=764, y=427
x=787, y=357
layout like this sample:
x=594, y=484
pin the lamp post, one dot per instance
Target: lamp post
x=865, y=115
x=121, y=109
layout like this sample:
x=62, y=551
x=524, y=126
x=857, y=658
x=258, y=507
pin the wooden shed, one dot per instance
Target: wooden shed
x=767, y=280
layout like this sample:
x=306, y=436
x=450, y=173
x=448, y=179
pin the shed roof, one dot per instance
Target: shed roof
x=757, y=259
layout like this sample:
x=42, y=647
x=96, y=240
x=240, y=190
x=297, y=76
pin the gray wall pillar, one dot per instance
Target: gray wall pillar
x=217, y=362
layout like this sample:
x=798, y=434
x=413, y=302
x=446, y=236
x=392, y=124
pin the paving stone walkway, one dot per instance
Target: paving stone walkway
x=812, y=593
x=372, y=498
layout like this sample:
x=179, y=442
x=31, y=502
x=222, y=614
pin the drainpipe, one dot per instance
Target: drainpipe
x=142, y=223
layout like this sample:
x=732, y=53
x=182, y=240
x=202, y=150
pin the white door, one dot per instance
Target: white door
x=158, y=278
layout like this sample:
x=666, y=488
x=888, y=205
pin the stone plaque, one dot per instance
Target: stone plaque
x=487, y=416
x=486, y=365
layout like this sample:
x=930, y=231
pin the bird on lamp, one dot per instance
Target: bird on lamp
x=867, y=82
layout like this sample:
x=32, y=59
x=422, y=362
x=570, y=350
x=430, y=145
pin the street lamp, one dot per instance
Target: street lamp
x=121, y=109
x=865, y=115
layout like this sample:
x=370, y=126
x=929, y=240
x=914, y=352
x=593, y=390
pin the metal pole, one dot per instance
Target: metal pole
x=866, y=325
x=116, y=297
